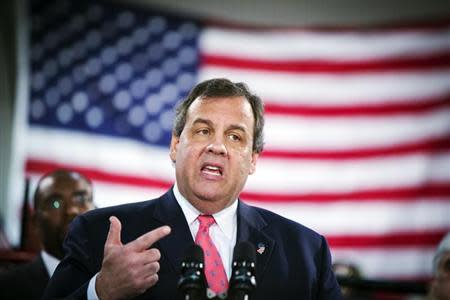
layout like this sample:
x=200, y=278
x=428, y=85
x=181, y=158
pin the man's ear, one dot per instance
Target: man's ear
x=253, y=163
x=173, y=147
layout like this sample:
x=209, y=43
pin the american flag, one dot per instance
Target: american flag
x=357, y=119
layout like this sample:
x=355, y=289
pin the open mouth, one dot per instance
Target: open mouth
x=212, y=170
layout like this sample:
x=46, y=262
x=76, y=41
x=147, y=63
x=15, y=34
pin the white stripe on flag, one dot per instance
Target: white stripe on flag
x=287, y=132
x=337, y=89
x=268, y=45
x=374, y=217
x=388, y=263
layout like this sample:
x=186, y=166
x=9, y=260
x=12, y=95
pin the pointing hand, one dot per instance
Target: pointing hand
x=128, y=270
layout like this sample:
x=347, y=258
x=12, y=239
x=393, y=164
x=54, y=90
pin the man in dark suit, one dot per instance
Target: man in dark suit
x=27, y=281
x=217, y=138
x=59, y=197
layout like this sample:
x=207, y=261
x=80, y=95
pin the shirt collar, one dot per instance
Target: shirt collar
x=50, y=262
x=225, y=219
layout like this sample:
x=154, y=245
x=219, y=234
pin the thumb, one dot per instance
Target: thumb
x=115, y=228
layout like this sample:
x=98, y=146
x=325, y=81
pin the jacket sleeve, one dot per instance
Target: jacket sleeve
x=328, y=286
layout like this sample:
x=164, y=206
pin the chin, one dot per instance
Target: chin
x=209, y=194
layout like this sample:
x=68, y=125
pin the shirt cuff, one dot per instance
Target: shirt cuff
x=91, y=293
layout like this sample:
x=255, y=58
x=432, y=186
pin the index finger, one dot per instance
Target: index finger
x=148, y=239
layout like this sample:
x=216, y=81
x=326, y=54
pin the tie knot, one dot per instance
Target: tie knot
x=206, y=220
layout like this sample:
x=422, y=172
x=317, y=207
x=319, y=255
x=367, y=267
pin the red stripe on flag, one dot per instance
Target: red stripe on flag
x=437, y=60
x=430, y=146
x=427, y=239
x=399, y=194
x=387, y=108
x=437, y=190
x=388, y=240
x=37, y=166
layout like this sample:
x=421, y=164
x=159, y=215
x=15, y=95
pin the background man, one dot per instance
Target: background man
x=216, y=141
x=440, y=285
x=59, y=197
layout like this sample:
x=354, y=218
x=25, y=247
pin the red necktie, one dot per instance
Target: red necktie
x=214, y=270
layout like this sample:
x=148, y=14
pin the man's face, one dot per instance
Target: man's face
x=213, y=156
x=62, y=198
x=440, y=286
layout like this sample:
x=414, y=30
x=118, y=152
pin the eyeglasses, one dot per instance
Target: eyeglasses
x=58, y=203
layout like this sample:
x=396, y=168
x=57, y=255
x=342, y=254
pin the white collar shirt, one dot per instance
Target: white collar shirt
x=50, y=262
x=223, y=232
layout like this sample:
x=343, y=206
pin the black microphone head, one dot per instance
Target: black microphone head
x=194, y=253
x=243, y=280
x=244, y=251
x=192, y=281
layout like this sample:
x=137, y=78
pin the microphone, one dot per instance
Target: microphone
x=243, y=281
x=192, y=283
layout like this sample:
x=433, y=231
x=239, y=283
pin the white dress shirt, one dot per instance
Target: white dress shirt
x=50, y=262
x=223, y=233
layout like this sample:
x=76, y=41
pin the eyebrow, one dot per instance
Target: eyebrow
x=204, y=121
x=210, y=123
x=50, y=196
x=80, y=192
x=74, y=193
x=237, y=127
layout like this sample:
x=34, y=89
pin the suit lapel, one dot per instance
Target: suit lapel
x=37, y=276
x=40, y=269
x=168, y=212
x=250, y=225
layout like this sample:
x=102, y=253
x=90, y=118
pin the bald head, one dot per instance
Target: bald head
x=49, y=180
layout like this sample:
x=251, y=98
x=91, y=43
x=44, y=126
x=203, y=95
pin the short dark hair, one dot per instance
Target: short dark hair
x=222, y=87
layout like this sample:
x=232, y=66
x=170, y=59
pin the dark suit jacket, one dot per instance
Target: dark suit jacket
x=26, y=281
x=295, y=264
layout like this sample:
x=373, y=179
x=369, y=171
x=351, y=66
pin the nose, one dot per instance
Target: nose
x=217, y=146
x=73, y=210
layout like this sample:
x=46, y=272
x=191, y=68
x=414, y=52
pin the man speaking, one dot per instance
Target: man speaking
x=135, y=250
